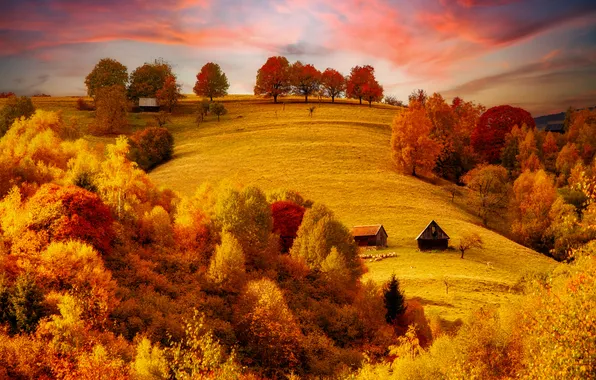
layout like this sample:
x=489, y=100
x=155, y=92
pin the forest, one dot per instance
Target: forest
x=105, y=274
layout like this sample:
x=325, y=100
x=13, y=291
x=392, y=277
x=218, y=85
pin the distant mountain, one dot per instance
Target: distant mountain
x=553, y=122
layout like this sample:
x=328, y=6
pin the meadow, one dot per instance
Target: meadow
x=340, y=157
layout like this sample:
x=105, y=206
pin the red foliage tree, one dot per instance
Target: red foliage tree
x=333, y=83
x=361, y=83
x=372, y=91
x=488, y=138
x=287, y=217
x=69, y=212
x=305, y=79
x=211, y=82
x=273, y=78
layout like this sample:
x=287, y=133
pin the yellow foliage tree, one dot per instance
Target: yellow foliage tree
x=227, y=264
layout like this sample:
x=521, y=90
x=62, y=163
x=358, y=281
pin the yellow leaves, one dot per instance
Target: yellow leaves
x=150, y=362
x=227, y=264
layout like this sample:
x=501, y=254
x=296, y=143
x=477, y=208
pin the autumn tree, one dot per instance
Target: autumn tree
x=211, y=82
x=491, y=189
x=14, y=108
x=550, y=148
x=26, y=304
x=267, y=327
x=110, y=116
x=218, y=109
x=147, y=80
x=287, y=217
x=304, y=79
x=106, y=73
x=418, y=96
x=533, y=196
x=319, y=232
x=246, y=214
x=488, y=138
x=566, y=159
x=469, y=241
x=227, y=263
x=361, y=84
x=273, y=78
x=395, y=301
x=333, y=83
x=150, y=147
x=169, y=94
x=414, y=151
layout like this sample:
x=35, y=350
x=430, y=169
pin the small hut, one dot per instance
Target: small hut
x=148, y=104
x=368, y=236
x=433, y=237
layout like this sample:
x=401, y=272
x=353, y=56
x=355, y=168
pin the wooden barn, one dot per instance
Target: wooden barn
x=433, y=237
x=369, y=236
x=148, y=104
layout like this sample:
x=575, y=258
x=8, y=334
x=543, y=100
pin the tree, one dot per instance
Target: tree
x=469, y=241
x=418, y=96
x=533, y=196
x=488, y=138
x=211, y=82
x=333, y=83
x=510, y=151
x=372, y=92
x=393, y=101
x=273, y=78
x=319, y=232
x=395, y=301
x=566, y=159
x=14, y=108
x=413, y=149
x=305, y=79
x=287, y=217
x=218, y=109
x=169, y=94
x=150, y=147
x=361, y=83
x=550, y=148
x=110, y=116
x=227, y=263
x=148, y=79
x=26, y=304
x=106, y=73
x=267, y=327
x=491, y=189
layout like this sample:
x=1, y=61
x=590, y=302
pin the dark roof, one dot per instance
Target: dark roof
x=367, y=230
x=427, y=232
x=555, y=127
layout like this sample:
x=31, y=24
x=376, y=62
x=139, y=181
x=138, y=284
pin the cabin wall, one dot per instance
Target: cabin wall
x=428, y=245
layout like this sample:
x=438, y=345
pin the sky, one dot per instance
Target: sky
x=535, y=54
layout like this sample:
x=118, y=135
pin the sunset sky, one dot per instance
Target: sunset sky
x=537, y=54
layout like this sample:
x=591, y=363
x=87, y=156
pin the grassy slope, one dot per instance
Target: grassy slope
x=341, y=157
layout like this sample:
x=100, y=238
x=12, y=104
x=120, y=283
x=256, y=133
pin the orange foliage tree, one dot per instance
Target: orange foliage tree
x=533, y=196
x=414, y=151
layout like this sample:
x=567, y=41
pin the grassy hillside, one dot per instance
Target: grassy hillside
x=341, y=157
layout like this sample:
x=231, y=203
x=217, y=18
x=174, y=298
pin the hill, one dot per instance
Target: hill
x=341, y=157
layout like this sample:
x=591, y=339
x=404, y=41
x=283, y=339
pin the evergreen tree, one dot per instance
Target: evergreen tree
x=26, y=303
x=395, y=301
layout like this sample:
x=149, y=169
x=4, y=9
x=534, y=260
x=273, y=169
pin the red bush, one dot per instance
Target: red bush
x=488, y=138
x=70, y=212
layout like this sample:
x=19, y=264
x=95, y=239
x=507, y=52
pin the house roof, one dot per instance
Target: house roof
x=371, y=230
x=427, y=233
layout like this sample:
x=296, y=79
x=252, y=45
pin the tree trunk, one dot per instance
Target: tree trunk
x=360, y=100
x=332, y=98
x=211, y=97
x=305, y=98
x=370, y=103
x=274, y=98
x=462, y=253
x=414, y=171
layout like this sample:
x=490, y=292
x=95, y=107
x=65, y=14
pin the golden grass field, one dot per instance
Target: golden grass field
x=341, y=157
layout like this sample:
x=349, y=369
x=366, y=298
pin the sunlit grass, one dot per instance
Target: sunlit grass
x=341, y=157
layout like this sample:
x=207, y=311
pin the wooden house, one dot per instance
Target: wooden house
x=433, y=237
x=369, y=236
x=148, y=104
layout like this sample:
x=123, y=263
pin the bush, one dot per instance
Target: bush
x=393, y=101
x=218, y=109
x=15, y=108
x=150, y=147
x=110, y=116
x=4, y=95
x=82, y=105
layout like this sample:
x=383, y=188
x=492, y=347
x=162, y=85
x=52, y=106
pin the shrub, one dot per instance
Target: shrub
x=150, y=147
x=218, y=109
x=15, y=108
x=393, y=101
x=82, y=105
x=111, y=105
